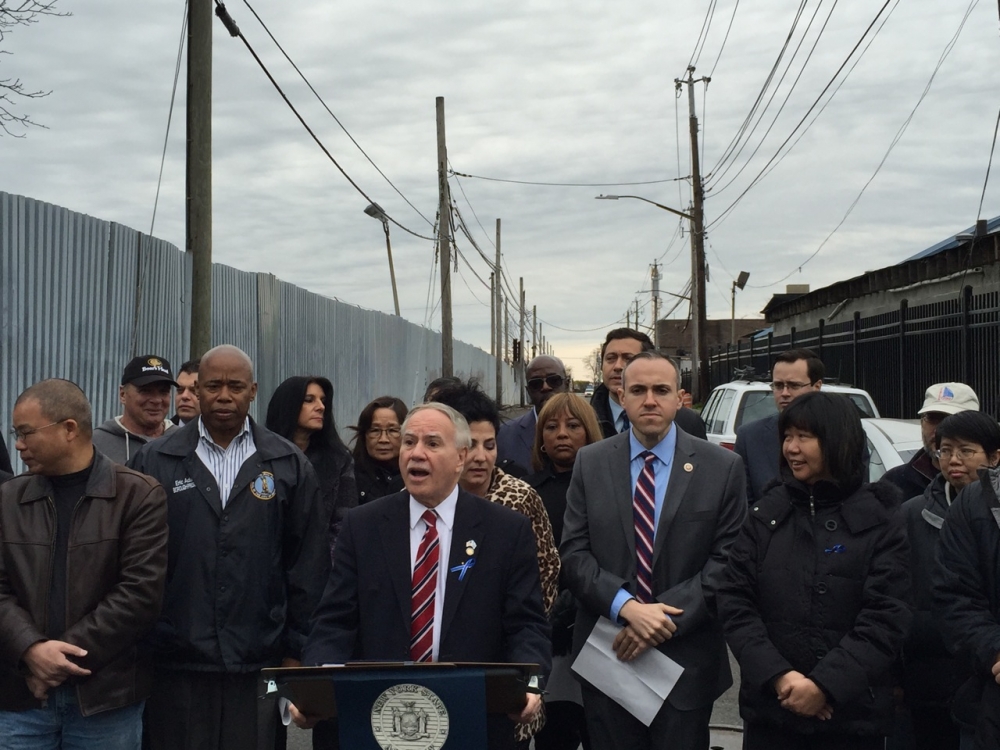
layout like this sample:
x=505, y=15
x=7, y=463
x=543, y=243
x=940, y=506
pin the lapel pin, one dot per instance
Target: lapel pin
x=688, y=467
x=463, y=568
x=470, y=547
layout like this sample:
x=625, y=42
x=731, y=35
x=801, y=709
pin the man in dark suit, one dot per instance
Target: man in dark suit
x=546, y=376
x=794, y=373
x=396, y=591
x=650, y=516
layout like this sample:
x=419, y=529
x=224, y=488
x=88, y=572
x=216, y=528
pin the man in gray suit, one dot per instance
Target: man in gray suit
x=546, y=376
x=650, y=516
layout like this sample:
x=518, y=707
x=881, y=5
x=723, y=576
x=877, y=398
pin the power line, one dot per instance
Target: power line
x=562, y=184
x=233, y=29
x=579, y=330
x=788, y=96
x=335, y=118
x=725, y=38
x=170, y=116
x=699, y=45
x=806, y=115
x=979, y=211
x=899, y=135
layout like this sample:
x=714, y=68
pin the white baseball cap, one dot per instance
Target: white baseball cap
x=949, y=398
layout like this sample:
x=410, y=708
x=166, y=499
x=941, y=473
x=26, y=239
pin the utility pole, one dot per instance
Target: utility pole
x=506, y=330
x=534, y=331
x=444, y=246
x=198, y=241
x=520, y=360
x=493, y=314
x=636, y=321
x=699, y=359
x=655, y=286
x=498, y=273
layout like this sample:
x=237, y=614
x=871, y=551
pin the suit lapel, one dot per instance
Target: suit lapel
x=677, y=486
x=621, y=476
x=528, y=430
x=395, y=535
x=467, y=526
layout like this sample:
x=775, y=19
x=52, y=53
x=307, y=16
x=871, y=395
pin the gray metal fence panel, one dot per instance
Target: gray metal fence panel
x=80, y=296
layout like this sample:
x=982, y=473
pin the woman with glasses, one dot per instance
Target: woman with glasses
x=813, y=603
x=377, y=439
x=565, y=424
x=941, y=708
x=301, y=410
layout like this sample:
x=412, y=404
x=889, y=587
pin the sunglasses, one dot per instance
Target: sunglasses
x=552, y=381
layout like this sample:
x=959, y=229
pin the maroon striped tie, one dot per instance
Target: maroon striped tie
x=643, y=513
x=425, y=574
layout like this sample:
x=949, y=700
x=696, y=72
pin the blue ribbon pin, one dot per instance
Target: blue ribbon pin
x=464, y=568
x=835, y=549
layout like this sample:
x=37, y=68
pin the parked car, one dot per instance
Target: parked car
x=589, y=391
x=732, y=405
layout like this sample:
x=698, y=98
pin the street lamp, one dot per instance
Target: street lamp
x=375, y=211
x=699, y=373
x=738, y=283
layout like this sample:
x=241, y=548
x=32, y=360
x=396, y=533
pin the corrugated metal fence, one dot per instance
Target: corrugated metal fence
x=79, y=296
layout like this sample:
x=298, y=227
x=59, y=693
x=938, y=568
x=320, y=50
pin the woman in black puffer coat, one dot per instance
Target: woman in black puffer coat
x=814, y=602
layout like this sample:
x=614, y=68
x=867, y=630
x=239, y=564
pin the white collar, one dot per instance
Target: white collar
x=445, y=510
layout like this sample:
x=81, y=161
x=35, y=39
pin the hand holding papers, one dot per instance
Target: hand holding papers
x=640, y=685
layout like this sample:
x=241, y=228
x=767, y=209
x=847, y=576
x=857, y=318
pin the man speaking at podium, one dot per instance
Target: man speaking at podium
x=434, y=573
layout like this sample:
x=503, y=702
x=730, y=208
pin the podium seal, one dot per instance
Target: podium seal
x=409, y=717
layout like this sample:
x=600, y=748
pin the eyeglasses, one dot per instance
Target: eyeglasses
x=963, y=453
x=22, y=434
x=552, y=381
x=390, y=432
x=777, y=386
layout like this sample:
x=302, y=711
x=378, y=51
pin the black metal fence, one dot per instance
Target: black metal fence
x=896, y=355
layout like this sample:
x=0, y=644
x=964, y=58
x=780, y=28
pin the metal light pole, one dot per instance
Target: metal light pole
x=375, y=211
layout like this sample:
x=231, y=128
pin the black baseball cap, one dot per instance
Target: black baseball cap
x=147, y=369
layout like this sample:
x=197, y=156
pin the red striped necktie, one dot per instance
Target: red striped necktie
x=424, y=588
x=643, y=513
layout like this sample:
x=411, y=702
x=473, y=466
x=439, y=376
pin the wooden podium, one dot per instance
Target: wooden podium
x=382, y=705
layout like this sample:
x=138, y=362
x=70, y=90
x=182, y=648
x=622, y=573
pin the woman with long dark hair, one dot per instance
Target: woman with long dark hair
x=377, y=439
x=565, y=424
x=301, y=410
x=814, y=600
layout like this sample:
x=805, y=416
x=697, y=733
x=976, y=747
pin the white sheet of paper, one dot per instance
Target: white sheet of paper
x=639, y=686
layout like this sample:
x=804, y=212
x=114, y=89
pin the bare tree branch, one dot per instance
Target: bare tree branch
x=15, y=13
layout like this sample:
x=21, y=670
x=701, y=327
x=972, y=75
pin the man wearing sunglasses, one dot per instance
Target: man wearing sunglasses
x=546, y=376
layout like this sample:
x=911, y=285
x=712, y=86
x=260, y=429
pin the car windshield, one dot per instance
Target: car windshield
x=862, y=403
x=755, y=405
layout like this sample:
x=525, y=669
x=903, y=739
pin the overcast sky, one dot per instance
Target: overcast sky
x=552, y=91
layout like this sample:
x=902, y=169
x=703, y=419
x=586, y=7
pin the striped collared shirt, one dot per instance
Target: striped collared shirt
x=224, y=463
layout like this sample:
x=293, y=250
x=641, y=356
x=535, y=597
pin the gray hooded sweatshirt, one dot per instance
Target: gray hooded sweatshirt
x=118, y=444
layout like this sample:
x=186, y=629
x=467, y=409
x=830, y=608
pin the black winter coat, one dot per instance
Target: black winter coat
x=966, y=588
x=374, y=481
x=930, y=674
x=242, y=581
x=818, y=583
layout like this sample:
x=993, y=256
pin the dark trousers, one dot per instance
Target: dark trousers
x=761, y=737
x=207, y=711
x=611, y=727
x=565, y=727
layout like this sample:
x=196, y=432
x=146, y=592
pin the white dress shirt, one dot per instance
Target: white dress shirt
x=445, y=524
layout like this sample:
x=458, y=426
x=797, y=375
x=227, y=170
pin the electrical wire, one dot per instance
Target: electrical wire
x=562, y=184
x=989, y=164
x=233, y=29
x=330, y=112
x=806, y=115
x=725, y=38
x=581, y=330
x=699, y=44
x=788, y=95
x=170, y=115
x=899, y=134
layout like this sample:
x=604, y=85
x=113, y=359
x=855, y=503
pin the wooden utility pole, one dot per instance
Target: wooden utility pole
x=534, y=331
x=498, y=311
x=198, y=241
x=699, y=358
x=444, y=246
x=506, y=330
x=493, y=314
x=655, y=290
x=636, y=320
x=520, y=360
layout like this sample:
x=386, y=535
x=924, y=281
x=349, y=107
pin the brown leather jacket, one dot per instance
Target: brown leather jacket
x=116, y=566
